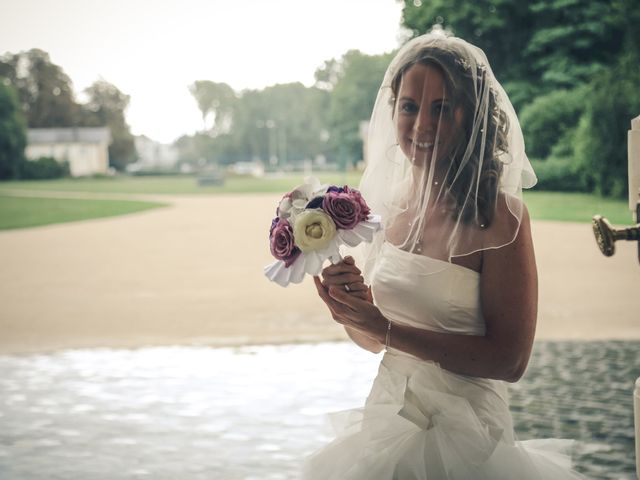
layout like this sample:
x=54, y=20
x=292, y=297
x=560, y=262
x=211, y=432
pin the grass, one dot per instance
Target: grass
x=179, y=184
x=27, y=211
x=21, y=212
x=576, y=207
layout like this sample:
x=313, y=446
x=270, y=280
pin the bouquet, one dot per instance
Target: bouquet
x=312, y=222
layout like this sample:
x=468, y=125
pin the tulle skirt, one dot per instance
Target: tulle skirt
x=422, y=422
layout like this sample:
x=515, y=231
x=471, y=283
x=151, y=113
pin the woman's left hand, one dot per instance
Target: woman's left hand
x=353, y=312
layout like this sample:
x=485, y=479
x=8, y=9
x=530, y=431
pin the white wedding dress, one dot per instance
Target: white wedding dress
x=421, y=421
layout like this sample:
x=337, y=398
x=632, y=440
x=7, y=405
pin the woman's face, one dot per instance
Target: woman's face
x=426, y=121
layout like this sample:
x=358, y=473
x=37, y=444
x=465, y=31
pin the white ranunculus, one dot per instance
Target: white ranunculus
x=313, y=230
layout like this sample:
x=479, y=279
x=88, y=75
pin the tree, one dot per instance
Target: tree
x=215, y=100
x=533, y=47
x=601, y=140
x=283, y=123
x=569, y=67
x=572, y=41
x=106, y=105
x=45, y=92
x=13, y=137
x=353, y=82
x=501, y=28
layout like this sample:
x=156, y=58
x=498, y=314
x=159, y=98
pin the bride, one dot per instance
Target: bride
x=453, y=283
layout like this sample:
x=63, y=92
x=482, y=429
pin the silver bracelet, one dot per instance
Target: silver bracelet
x=387, y=339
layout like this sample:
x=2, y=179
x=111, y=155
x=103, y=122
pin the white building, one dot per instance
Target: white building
x=153, y=155
x=86, y=149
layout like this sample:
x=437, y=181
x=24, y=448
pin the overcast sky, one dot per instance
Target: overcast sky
x=153, y=49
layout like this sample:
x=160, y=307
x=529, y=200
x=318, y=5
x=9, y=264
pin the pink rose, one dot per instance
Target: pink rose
x=343, y=209
x=282, y=244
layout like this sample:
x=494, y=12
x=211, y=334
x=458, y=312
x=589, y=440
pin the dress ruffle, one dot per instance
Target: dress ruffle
x=422, y=422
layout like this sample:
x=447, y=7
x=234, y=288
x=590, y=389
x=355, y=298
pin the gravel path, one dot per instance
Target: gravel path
x=191, y=274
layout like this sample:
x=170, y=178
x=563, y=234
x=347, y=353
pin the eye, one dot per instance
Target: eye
x=443, y=109
x=407, y=106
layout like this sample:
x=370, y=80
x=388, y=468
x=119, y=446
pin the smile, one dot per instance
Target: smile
x=422, y=144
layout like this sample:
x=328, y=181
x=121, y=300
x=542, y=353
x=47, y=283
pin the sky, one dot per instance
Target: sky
x=153, y=50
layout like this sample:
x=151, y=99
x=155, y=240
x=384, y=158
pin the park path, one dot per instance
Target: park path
x=191, y=273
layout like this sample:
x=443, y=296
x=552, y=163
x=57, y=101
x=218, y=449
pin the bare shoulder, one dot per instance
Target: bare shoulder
x=511, y=220
x=510, y=232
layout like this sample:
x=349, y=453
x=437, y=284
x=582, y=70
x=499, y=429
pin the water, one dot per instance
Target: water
x=255, y=412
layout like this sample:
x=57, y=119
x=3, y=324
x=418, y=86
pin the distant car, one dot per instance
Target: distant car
x=255, y=169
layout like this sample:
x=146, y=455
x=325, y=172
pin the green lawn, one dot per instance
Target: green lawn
x=576, y=207
x=21, y=212
x=179, y=184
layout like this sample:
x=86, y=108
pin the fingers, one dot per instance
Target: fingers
x=346, y=299
x=360, y=290
x=347, y=265
x=355, y=287
x=349, y=260
x=322, y=290
x=326, y=296
x=347, y=308
x=336, y=309
x=351, y=310
x=344, y=274
x=343, y=279
x=361, y=295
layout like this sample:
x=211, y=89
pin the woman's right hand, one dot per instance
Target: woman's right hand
x=347, y=276
x=337, y=276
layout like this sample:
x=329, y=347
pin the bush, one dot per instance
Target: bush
x=548, y=118
x=520, y=93
x=558, y=174
x=43, y=168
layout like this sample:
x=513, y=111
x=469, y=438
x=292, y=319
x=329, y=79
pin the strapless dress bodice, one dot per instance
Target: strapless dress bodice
x=427, y=293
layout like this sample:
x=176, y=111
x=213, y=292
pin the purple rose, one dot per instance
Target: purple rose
x=333, y=188
x=343, y=209
x=281, y=242
x=357, y=197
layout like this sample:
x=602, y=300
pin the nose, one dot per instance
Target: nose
x=426, y=122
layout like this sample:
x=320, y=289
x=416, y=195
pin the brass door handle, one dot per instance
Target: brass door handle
x=606, y=235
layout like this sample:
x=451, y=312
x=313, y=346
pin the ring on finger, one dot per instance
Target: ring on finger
x=346, y=287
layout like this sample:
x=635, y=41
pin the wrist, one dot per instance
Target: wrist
x=383, y=331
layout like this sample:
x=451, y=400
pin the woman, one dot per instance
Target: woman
x=453, y=284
